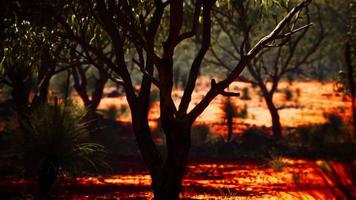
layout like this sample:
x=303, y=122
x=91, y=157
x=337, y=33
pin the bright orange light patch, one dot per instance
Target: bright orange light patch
x=300, y=179
x=308, y=105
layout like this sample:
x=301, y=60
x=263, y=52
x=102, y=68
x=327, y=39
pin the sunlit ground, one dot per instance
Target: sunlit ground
x=307, y=107
x=297, y=180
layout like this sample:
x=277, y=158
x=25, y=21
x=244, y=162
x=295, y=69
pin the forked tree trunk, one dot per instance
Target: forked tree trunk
x=166, y=175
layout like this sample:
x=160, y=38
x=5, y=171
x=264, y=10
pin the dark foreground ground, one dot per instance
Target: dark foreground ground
x=278, y=179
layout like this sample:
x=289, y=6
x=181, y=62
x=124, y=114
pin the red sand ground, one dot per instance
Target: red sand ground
x=299, y=179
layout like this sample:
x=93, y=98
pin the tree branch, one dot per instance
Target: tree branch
x=214, y=91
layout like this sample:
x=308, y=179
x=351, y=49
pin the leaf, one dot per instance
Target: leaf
x=92, y=39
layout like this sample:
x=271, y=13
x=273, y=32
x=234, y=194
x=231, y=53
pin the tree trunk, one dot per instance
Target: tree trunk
x=351, y=81
x=47, y=177
x=166, y=176
x=20, y=95
x=92, y=120
x=168, y=182
x=229, y=127
x=276, y=124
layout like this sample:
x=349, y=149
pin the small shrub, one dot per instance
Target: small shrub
x=200, y=134
x=123, y=111
x=296, y=178
x=245, y=94
x=288, y=94
x=277, y=164
x=255, y=144
x=229, y=108
x=298, y=92
x=243, y=113
x=112, y=112
x=326, y=139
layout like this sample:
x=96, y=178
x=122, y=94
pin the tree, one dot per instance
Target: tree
x=30, y=53
x=350, y=65
x=279, y=59
x=140, y=26
x=23, y=59
x=347, y=77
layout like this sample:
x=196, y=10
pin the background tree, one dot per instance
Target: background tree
x=345, y=49
x=279, y=59
x=26, y=63
x=30, y=52
x=347, y=77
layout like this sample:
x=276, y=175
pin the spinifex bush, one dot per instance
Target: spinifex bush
x=55, y=139
x=245, y=94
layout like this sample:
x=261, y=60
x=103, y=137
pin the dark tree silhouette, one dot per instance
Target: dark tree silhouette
x=350, y=59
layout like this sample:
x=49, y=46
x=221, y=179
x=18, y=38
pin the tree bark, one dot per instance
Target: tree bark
x=20, y=94
x=171, y=174
x=229, y=128
x=166, y=175
x=47, y=177
x=276, y=124
x=351, y=81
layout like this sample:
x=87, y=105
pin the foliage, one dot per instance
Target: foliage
x=111, y=112
x=62, y=85
x=230, y=109
x=329, y=139
x=342, y=83
x=288, y=94
x=256, y=144
x=245, y=94
x=59, y=132
x=21, y=53
x=243, y=112
x=277, y=163
x=200, y=134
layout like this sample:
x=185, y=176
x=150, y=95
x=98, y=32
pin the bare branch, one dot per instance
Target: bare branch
x=245, y=60
x=197, y=10
x=195, y=68
x=276, y=31
x=146, y=73
x=294, y=31
x=223, y=92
